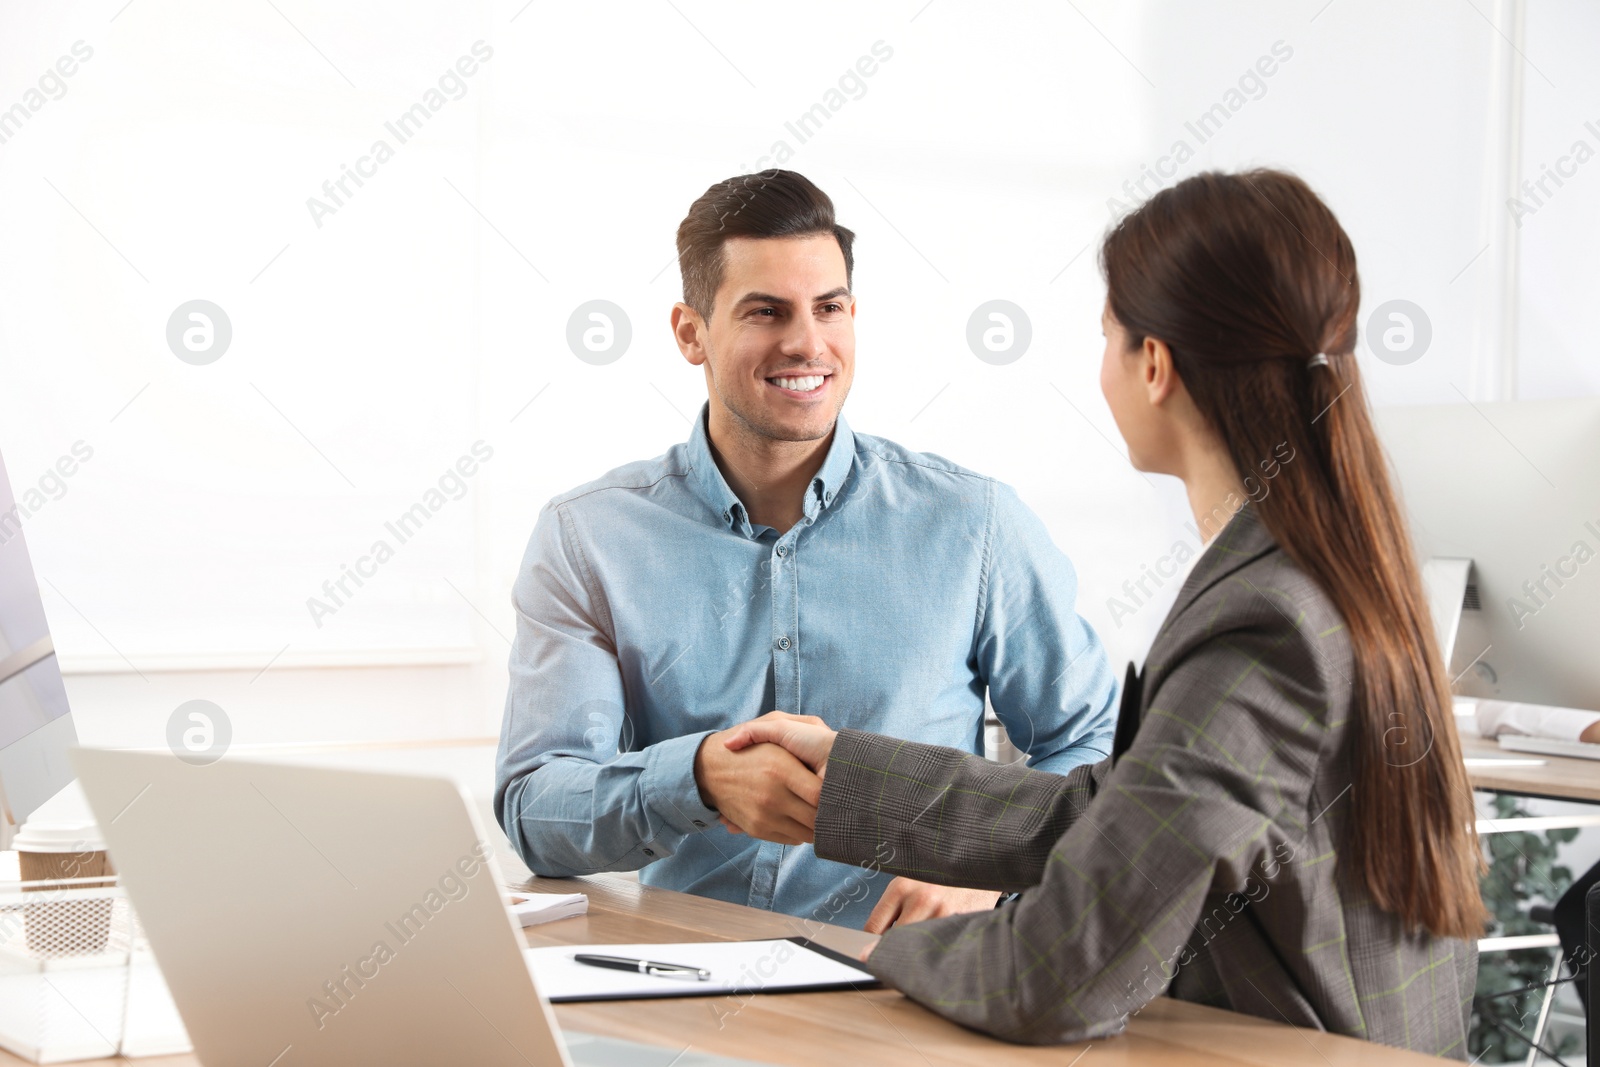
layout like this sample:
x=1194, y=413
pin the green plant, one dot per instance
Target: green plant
x=1522, y=869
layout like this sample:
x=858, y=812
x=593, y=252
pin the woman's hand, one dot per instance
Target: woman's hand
x=806, y=736
x=907, y=901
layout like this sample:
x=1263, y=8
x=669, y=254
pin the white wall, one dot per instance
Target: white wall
x=372, y=351
x=1559, y=216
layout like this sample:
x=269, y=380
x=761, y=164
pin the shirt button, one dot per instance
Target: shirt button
x=649, y=852
x=783, y=644
x=699, y=824
x=727, y=516
x=827, y=498
x=782, y=550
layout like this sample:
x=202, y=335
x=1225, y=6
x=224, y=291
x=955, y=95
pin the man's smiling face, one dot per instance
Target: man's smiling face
x=780, y=346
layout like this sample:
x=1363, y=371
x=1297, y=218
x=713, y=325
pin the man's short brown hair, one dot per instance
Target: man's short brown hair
x=769, y=203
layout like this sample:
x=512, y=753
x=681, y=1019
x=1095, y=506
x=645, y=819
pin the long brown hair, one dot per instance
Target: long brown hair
x=1246, y=277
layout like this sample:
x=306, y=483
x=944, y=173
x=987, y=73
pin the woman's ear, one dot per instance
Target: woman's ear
x=1160, y=376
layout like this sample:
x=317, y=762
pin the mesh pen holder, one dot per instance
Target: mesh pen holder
x=65, y=950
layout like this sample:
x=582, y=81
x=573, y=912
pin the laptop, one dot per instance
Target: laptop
x=307, y=916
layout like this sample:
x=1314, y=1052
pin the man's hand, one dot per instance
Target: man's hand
x=760, y=790
x=909, y=901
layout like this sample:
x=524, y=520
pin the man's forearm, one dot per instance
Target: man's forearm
x=570, y=816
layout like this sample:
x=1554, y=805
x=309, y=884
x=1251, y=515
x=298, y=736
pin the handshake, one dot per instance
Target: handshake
x=764, y=777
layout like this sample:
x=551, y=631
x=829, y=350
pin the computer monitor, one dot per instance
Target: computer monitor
x=1514, y=487
x=35, y=723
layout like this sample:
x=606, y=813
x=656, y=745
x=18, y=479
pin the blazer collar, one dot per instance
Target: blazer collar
x=1238, y=544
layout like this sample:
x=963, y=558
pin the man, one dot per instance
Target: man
x=775, y=560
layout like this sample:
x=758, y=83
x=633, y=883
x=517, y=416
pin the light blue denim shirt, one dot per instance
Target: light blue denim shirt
x=650, y=612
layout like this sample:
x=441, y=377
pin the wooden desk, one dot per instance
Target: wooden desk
x=1560, y=778
x=881, y=1028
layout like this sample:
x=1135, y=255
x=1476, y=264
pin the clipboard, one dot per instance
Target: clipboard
x=738, y=968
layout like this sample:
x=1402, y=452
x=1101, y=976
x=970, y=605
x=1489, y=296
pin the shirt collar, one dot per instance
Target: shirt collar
x=825, y=487
x=703, y=469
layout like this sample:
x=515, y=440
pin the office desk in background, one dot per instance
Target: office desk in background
x=1559, y=778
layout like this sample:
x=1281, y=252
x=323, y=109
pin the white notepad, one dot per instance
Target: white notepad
x=790, y=965
x=531, y=909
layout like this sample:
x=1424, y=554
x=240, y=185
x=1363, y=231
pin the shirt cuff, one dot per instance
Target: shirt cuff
x=669, y=787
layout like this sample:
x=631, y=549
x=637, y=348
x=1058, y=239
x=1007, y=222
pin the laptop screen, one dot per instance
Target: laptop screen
x=31, y=692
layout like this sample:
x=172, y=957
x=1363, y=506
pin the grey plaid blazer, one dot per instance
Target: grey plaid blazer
x=1204, y=865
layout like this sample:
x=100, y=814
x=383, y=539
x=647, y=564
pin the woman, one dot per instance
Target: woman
x=1290, y=833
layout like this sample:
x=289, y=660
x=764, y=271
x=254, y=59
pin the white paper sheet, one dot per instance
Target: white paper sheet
x=531, y=909
x=739, y=967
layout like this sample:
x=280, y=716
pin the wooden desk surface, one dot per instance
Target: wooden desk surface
x=879, y=1027
x=883, y=1027
x=1560, y=777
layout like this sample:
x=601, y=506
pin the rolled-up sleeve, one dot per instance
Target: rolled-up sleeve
x=572, y=791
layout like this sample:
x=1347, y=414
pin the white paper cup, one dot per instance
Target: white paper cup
x=72, y=925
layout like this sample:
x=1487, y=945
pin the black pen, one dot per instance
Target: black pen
x=655, y=969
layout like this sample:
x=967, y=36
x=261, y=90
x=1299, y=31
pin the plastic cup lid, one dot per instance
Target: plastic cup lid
x=63, y=823
x=58, y=837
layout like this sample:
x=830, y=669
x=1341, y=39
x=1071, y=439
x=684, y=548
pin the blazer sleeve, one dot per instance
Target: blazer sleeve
x=1222, y=762
x=975, y=823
